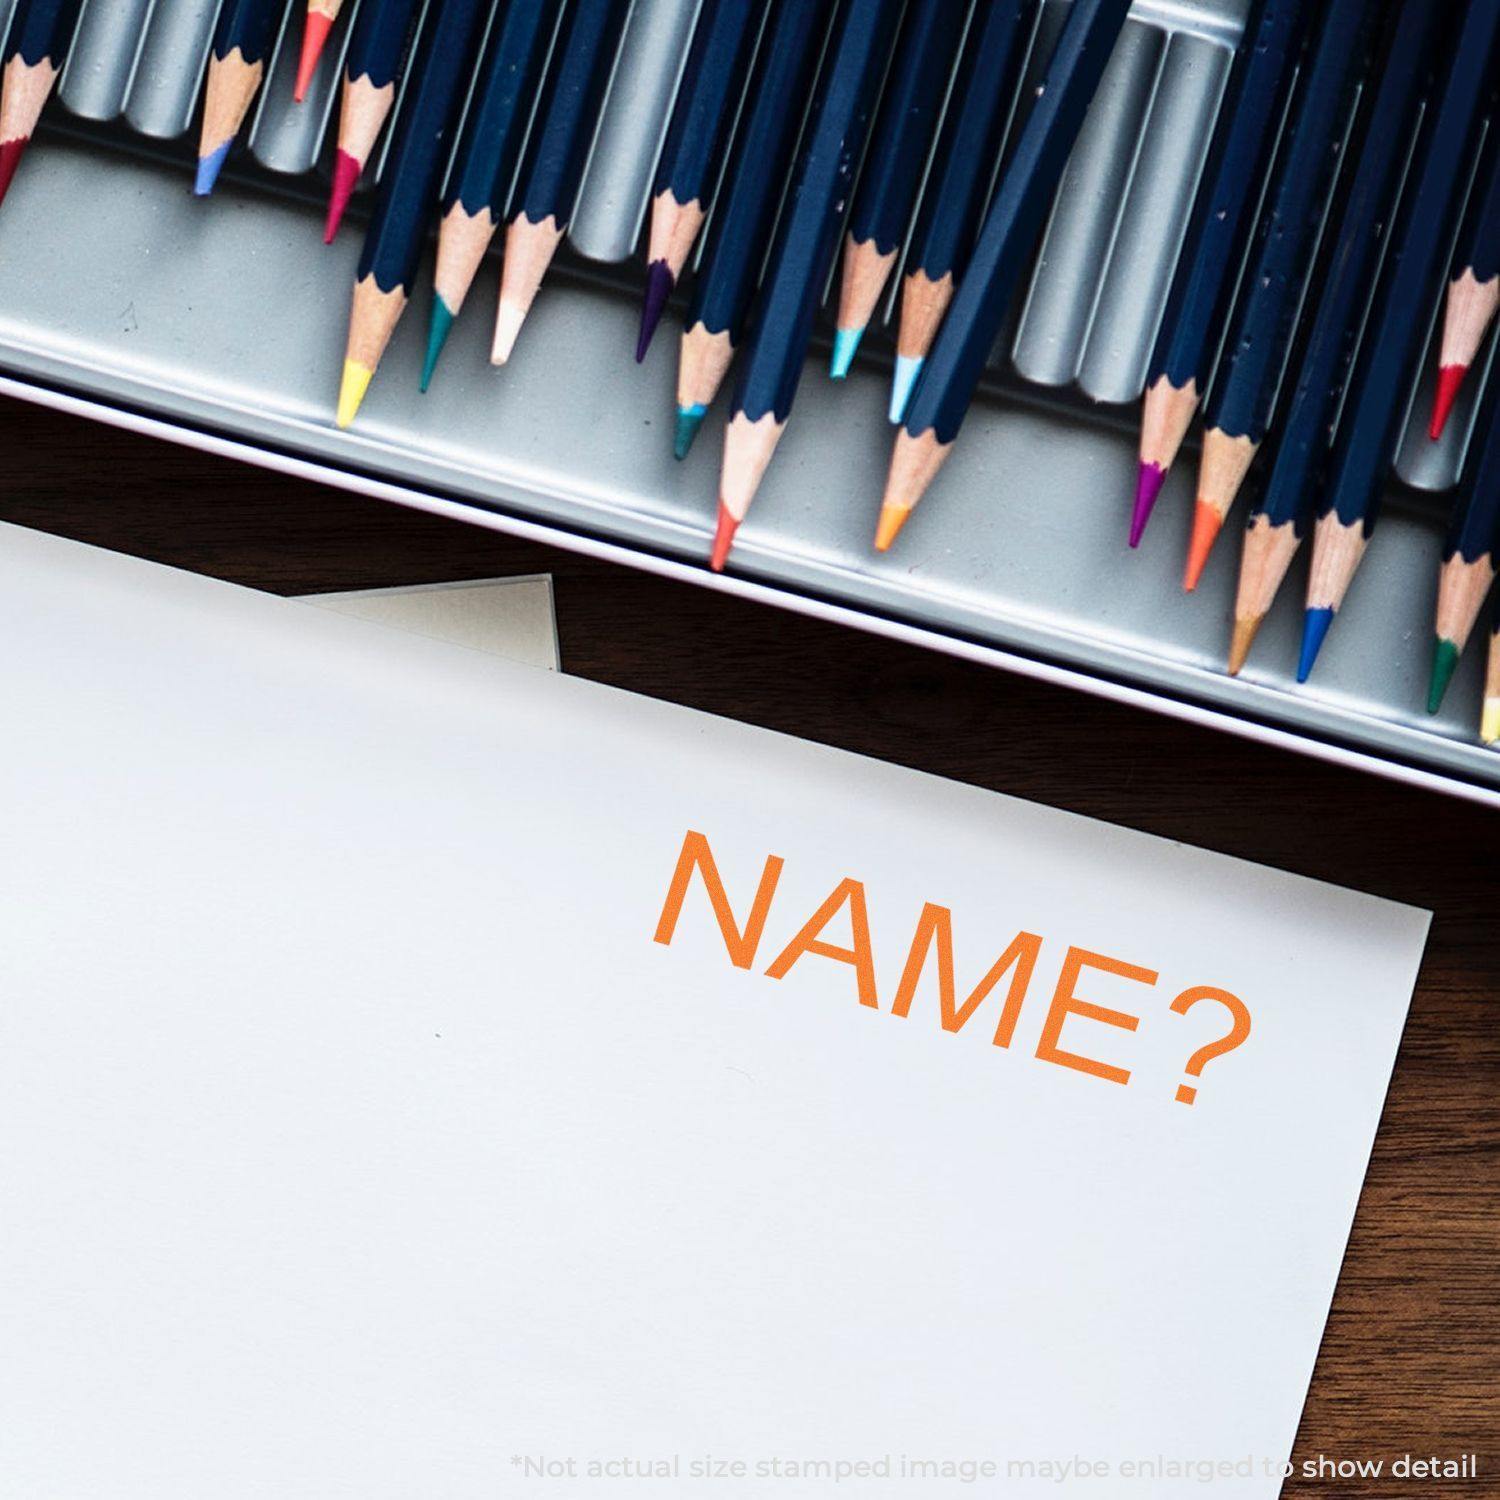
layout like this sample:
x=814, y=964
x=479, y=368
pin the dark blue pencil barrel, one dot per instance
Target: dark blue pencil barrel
x=1386, y=362
x=41, y=31
x=1280, y=515
x=1263, y=323
x=968, y=145
x=1343, y=287
x=900, y=141
x=1213, y=246
x=1014, y=221
x=407, y=199
x=807, y=240
x=739, y=232
x=378, y=40
x=693, y=150
x=424, y=134
x=704, y=108
x=558, y=149
x=494, y=130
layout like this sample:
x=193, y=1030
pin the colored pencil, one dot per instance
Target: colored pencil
x=892, y=173
x=1280, y=517
x=321, y=14
x=694, y=147
x=1370, y=426
x=1489, y=728
x=408, y=187
x=963, y=165
x=489, y=147
x=1265, y=320
x=553, y=167
x=1474, y=292
x=1243, y=144
x=377, y=51
x=1468, y=567
x=36, y=46
x=735, y=248
x=802, y=257
x=236, y=66
x=1011, y=230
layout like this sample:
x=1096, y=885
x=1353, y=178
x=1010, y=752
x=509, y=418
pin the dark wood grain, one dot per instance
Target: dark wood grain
x=1411, y=1361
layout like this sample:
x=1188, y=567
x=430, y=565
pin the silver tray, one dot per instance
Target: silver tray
x=227, y=318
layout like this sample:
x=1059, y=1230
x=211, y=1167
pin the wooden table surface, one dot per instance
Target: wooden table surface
x=1411, y=1361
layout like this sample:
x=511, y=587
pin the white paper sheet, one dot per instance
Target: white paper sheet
x=361, y=1140
x=509, y=617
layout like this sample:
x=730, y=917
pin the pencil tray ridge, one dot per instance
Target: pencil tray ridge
x=228, y=317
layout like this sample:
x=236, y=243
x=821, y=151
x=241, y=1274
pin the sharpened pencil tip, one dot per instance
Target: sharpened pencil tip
x=1315, y=624
x=11, y=153
x=659, y=284
x=1149, y=479
x=314, y=35
x=903, y=382
x=1444, y=662
x=689, y=420
x=723, y=539
x=437, y=335
x=1449, y=382
x=845, y=347
x=346, y=172
x=508, y=321
x=1489, y=724
x=1206, y=524
x=352, y=388
x=892, y=518
x=1241, y=642
x=209, y=168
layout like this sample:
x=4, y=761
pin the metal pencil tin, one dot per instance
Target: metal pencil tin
x=221, y=324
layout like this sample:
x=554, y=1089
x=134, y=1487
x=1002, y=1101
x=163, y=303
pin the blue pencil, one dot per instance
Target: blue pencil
x=236, y=65
x=892, y=172
x=1370, y=427
x=802, y=257
x=1264, y=322
x=759, y=163
x=1279, y=519
x=408, y=188
x=547, y=189
x=1244, y=140
x=1468, y=567
x=1474, y=291
x=378, y=44
x=489, y=148
x=963, y=164
x=1011, y=230
x=694, y=147
x=36, y=46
